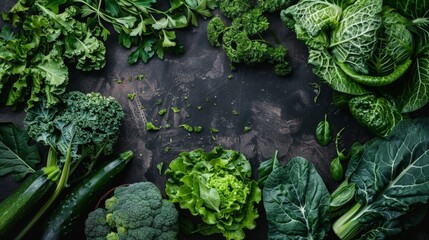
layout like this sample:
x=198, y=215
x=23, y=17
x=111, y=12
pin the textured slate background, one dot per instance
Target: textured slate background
x=280, y=111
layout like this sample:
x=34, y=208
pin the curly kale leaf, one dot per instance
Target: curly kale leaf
x=355, y=38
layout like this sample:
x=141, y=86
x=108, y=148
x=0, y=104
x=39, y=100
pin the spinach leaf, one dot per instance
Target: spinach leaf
x=354, y=39
x=336, y=169
x=297, y=202
x=323, y=132
x=266, y=168
x=16, y=156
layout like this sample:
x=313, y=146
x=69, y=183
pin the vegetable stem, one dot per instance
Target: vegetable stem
x=348, y=225
x=60, y=186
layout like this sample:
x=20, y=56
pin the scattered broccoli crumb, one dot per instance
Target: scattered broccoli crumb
x=247, y=129
x=199, y=107
x=118, y=81
x=213, y=138
x=230, y=77
x=162, y=112
x=186, y=98
x=131, y=96
x=167, y=149
x=213, y=130
x=175, y=109
x=151, y=127
x=167, y=126
x=235, y=112
x=187, y=127
x=198, y=129
x=158, y=102
x=159, y=167
x=139, y=77
x=207, y=100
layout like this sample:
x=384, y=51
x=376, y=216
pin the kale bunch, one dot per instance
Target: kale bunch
x=34, y=55
x=242, y=40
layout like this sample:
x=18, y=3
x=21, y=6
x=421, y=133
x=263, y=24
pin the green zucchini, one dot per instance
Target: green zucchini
x=72, y=210
x=15, y=209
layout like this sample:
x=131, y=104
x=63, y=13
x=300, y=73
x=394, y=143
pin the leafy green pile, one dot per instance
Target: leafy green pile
x=32, y=57
x=78, y=131
x=374, y=51
x=136, y=211
x=385, y=191
x=242, y=41
x=217, y=187
x=143, y=26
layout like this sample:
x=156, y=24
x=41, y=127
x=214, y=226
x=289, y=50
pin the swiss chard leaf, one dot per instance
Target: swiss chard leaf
x=297, y=202
x=16, y=156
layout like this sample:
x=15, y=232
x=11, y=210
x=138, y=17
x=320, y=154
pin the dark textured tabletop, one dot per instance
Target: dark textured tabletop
x=280, y=111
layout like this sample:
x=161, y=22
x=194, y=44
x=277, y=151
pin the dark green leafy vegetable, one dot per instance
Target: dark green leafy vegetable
x=142, y=26
x=242, y=40
x=379, y=115
x=391, y=179
x=77, y=131
x=381, y=44
x=32, y=58
x=336, y=169
x=16, y=156
x=323, y=132
x=215, y=186
x=266, y=167
x=297, y=202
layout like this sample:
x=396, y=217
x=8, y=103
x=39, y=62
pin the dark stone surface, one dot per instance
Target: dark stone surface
x=280, y=111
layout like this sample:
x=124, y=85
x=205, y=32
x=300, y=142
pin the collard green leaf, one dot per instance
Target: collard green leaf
x=353, y=41
x=392, y=176
x=323, y=132
x=266, y=168
x=325, y=67
x=314, y=16
x=16, y=156
x=296, y=202
x=414, y=93
x=378, y=114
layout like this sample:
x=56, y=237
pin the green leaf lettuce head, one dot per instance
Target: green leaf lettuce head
x=217, y=187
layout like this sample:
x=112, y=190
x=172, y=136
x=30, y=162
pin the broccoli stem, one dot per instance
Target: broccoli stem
x=60, y=186
x=348, y=225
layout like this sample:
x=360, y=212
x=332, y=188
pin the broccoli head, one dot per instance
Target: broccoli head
x=135, y=212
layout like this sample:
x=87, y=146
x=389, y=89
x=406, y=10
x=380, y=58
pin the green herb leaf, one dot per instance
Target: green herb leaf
x=151, y=127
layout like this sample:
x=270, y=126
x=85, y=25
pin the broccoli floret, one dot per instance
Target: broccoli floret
x=96, y=227
x=137, y=212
